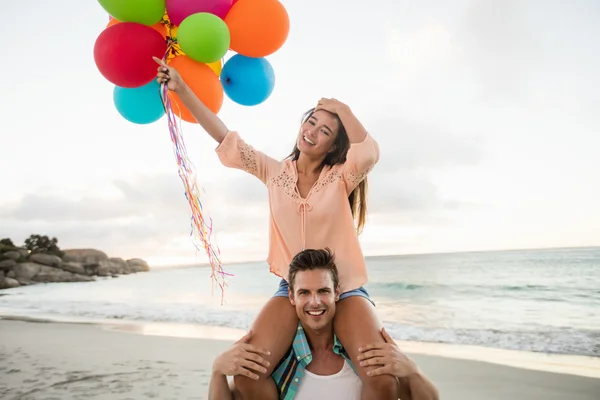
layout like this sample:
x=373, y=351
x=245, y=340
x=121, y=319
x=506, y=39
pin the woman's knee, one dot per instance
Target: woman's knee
x=244, y=384
x=263, y=388
x=273, y=330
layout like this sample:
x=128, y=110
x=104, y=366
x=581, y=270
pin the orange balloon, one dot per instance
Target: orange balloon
x=257, y=27
x=158, y=27
x=202, y=80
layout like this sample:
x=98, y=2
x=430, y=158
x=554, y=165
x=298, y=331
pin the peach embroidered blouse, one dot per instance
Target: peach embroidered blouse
x=322, y=219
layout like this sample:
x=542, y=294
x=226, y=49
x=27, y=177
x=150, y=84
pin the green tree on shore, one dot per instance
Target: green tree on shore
x=7, y=242
x=43, y=244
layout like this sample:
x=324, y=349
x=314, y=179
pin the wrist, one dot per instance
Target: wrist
x=343, y=110
x=216, y=374
x=413, y=369
x=182, y=89
x=414, y=373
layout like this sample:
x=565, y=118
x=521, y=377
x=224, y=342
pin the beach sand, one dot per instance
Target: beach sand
x=54, y=360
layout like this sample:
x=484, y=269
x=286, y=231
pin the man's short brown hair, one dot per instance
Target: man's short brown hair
x=311, y=259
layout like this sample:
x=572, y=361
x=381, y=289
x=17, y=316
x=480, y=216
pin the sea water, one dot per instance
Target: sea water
x=535, y=300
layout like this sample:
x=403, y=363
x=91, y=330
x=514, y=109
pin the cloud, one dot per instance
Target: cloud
x=410, y=157
x=415, y=54
x=500, y=45
x=419, y=146
x=136, y=199
x=149, y=214
x=394, y=192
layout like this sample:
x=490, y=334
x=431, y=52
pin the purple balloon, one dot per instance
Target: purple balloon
x=178, y=10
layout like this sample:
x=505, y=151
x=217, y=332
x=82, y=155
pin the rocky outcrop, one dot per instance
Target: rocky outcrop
x=18, y=267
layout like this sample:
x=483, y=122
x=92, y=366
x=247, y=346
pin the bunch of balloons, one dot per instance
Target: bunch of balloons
x=193, y=36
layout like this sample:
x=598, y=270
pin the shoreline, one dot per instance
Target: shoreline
x=565, y=364
x=84, y=361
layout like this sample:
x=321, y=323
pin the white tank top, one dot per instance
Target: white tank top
x=344, y=385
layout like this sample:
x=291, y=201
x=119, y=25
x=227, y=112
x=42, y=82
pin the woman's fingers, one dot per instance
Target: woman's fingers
x=371, y=353
x=162, y=77
x=247, y=373
x=160, y=62
x=256, y=358
x=257, y=350
x=374, y=361
x=372, y=346
x=251, y=365
x=380, y=371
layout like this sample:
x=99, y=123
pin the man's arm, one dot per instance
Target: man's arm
x=417, y=387
x=241, y=359
x=219, y=388
x=412, y=383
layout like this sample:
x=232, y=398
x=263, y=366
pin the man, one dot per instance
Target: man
x=316, y=365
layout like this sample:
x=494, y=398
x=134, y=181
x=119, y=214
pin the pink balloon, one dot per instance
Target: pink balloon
x=178, y=10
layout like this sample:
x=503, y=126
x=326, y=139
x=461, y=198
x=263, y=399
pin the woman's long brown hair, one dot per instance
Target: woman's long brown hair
x=358, y=197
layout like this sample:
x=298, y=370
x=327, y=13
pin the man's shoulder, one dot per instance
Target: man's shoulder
x=339, y=349
x=297, y=351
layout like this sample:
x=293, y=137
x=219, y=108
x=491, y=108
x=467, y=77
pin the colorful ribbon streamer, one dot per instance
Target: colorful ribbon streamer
x=201, y=231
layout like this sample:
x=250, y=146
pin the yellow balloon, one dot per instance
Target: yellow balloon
x=216, y=66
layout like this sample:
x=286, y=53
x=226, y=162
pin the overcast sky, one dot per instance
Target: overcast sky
x=486, y=113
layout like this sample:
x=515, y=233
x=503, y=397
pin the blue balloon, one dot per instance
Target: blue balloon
x=140, y=105
x=247, y=81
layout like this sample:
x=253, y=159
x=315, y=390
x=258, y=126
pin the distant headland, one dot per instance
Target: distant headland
x=40, y=260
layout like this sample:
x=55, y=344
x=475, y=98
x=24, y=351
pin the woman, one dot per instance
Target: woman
x=314, y=196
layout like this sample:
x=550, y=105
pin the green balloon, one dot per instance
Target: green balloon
x=203, y=37
x=147, y=12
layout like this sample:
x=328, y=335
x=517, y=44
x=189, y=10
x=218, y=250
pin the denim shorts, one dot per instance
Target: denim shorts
x=282, y=291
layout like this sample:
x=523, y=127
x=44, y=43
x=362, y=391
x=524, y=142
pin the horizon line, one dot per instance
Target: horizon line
x=404, y=255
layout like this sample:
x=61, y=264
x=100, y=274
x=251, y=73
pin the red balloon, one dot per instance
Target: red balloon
x=123, y=53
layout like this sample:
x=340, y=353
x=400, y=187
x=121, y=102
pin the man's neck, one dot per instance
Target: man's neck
x=321, y=340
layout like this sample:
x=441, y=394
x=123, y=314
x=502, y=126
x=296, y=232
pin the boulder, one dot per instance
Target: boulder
x=138, y=265
x=26, y=271
x=85, y=256
x=7, y=264
x=13, y=255
x=8, y=283
x=119, y=265
x=50, y=274
x=32, y=272
x=73, y=267
x=45, y=259
x=77, y=265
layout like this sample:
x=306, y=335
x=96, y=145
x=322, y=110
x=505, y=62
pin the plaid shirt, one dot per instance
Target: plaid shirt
x=290, y=370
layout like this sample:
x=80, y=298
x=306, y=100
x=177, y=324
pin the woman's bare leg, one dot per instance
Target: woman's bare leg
x=274, y=330
x=356, y=324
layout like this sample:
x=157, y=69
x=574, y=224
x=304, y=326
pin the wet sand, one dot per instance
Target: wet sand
x=55, y=360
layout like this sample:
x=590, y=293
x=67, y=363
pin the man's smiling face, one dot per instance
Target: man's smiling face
x=314, y=296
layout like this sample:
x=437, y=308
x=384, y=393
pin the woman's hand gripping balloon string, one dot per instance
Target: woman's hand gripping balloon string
x=169, y=76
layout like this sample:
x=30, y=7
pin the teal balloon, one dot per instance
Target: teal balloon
x=247, y=81
x=147, y=12
x=204, y=37
x=140, y=105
